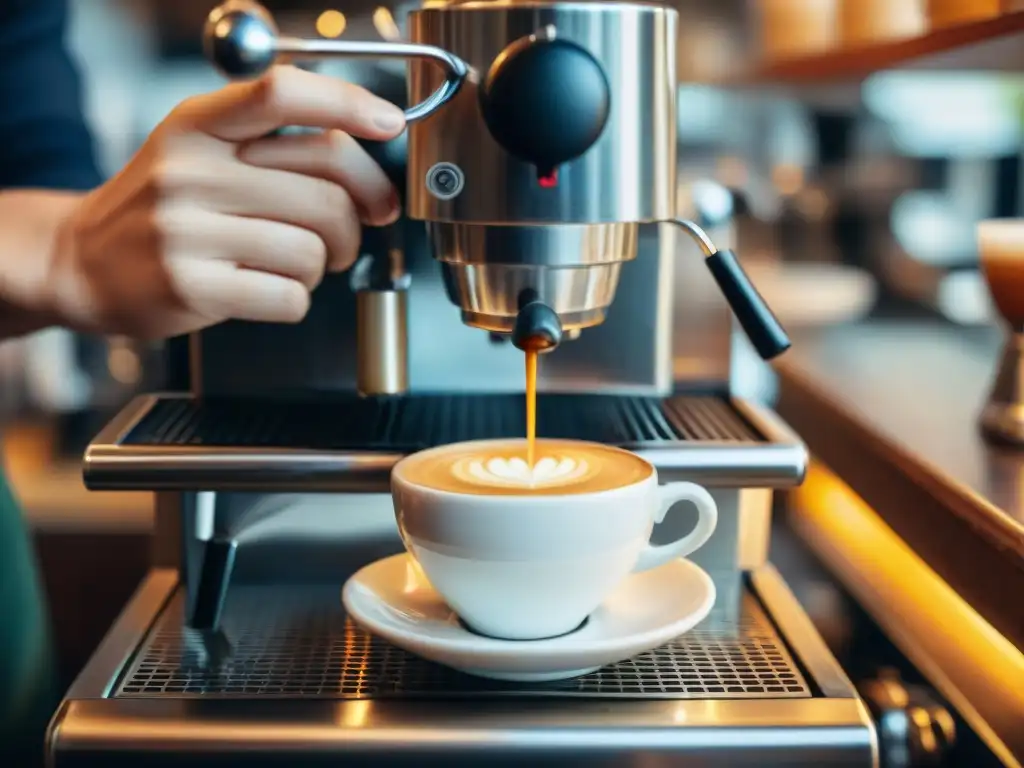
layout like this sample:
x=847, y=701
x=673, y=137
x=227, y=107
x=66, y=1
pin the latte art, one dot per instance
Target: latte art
x=500, y=468
x=549, y=471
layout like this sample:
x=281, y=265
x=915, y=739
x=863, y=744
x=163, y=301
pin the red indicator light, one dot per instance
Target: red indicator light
x=548, y=182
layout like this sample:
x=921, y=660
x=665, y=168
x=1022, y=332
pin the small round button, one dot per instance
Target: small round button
x=445, y=180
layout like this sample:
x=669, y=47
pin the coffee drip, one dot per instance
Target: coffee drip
x=531, y=407
x=537, y=329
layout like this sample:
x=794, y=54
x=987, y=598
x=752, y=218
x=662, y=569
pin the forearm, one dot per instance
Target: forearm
x=31, y=223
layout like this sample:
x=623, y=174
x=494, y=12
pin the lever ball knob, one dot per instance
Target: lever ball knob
x=546, y=101
x=240, y=38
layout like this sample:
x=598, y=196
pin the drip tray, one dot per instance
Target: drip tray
x=297, y=643
x=292, y=682
x=351, y=443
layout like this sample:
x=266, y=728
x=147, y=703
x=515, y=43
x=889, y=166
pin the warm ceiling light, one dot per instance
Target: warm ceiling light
x=385, y=24
x=331, y=24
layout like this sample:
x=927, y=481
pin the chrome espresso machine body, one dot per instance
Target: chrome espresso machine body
x=539, y=177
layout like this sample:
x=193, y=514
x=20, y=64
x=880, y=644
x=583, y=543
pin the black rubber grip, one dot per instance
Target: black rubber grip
x=214, y=578
x=761, y=326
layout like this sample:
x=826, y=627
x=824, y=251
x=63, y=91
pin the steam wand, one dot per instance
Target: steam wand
x=758, y=321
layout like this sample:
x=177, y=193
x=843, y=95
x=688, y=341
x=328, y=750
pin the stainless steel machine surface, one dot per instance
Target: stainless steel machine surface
x=343, y=443
x=541, y=136
x=290, y=679
x=539, y=175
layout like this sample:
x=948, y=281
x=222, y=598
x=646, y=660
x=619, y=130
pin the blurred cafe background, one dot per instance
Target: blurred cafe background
x=854, y=145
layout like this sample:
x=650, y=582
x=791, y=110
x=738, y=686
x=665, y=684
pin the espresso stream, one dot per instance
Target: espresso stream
x=531, y=407
x=549, y=466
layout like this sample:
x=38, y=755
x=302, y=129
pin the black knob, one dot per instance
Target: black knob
x=546, y=101
x=537, y=328
x=240, y=38
x=392, y=157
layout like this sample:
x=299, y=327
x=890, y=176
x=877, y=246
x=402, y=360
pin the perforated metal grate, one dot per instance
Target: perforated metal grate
x=414, y=422
x=297, y=643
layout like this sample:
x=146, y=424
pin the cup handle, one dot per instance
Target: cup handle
x=658, y=554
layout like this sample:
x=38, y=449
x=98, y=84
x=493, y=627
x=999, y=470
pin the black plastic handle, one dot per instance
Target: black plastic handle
x=214, y=577
x=758, y=321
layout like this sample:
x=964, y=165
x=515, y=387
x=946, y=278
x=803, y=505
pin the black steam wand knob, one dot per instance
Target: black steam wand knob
x=758, y=321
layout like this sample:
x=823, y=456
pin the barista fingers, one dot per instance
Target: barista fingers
x=210, y=222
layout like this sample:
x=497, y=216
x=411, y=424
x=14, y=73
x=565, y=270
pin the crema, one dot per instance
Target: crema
x=500, y=467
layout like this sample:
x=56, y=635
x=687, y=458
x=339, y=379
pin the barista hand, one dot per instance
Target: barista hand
x=214, y=220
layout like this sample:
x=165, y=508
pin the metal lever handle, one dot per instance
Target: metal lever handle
x=758, y=321
x=241, y=39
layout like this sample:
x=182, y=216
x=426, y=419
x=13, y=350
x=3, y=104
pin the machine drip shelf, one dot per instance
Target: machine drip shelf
x=294, y=682
x=296, y=642
x=416, y=422
x=348, y=443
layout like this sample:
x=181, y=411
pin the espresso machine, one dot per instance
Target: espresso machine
x=538, y=172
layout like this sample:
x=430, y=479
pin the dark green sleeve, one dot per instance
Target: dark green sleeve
x=44, y=139
x=44, y=142
x=27, y=675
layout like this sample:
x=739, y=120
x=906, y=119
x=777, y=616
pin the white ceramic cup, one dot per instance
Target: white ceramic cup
x=532, y=567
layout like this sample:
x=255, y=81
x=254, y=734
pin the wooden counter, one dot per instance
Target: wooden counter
x=891, y=407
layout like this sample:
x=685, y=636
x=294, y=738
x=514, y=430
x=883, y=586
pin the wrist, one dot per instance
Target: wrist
x=64, y=298
x=30, y=232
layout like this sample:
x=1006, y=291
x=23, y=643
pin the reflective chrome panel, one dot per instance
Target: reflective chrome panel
x=628, y=175
x=777, y=459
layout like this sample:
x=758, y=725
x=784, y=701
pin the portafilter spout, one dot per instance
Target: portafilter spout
x=537, y=328
x=571, y=269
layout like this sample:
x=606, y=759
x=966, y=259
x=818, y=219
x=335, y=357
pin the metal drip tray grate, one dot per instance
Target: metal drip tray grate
x=414, y=422
x=290, y=642
x=350, y=444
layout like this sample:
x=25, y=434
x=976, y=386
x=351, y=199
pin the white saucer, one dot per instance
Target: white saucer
x=393, y=599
